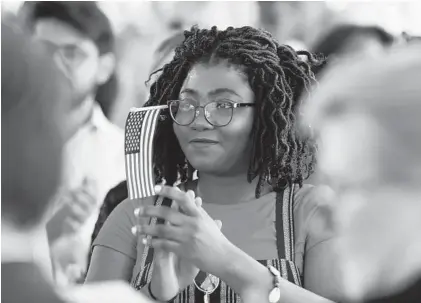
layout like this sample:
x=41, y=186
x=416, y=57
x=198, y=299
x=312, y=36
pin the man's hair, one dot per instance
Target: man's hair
x=276, y=74
x=33, y=100
x=337, y=39
x=84, y=16
x=90, y=20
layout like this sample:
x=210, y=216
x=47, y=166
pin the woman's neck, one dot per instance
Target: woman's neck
x=227, y=189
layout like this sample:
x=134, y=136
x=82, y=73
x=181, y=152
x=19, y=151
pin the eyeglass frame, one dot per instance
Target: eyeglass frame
x=197, y=107
x=58, y=50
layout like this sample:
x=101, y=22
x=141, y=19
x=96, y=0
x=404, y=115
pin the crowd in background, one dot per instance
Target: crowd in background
x=108, y=76
x=141, y=27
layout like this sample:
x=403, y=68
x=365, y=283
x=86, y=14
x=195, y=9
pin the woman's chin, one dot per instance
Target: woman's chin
x=205, y=168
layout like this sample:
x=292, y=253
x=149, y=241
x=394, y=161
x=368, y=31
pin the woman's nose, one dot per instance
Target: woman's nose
x=200, y=122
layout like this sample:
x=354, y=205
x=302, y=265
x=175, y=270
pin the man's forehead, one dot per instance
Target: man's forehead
x=54, y=30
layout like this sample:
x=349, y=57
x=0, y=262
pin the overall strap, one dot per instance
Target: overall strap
x=146, y=265
x=285, y=235
x=285, y=223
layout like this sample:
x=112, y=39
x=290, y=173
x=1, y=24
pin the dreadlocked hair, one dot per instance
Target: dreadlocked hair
x=277, y=74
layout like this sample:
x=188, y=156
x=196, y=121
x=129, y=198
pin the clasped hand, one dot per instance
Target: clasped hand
x=191, y=233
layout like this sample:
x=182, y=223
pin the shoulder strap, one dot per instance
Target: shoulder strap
x=146, y=266
x=285, y=223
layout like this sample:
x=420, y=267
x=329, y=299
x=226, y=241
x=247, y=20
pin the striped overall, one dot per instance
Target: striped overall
x=284, y=263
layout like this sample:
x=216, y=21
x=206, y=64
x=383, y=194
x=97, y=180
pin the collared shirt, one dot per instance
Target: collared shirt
x=95, y=152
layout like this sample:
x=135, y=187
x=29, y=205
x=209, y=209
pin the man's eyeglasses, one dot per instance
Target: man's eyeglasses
x=217, y=113
x=71, y=54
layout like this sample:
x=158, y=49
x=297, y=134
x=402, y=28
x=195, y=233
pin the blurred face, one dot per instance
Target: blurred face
x=348, y=154
x=76, y=55
x=211, y=149
x=376, y=220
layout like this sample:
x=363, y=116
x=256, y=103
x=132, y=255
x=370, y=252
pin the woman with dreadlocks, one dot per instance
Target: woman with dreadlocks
x=233, y=105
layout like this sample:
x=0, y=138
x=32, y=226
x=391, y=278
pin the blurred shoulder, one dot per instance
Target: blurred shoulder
x=314, y=209
x=310, y=197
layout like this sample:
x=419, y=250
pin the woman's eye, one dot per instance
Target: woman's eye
x=185, y=106
x=223, y=105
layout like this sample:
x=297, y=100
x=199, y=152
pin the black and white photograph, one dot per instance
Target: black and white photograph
x=211, y=151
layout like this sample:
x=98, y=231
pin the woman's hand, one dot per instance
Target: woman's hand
x=172, y=273
x=192, y=234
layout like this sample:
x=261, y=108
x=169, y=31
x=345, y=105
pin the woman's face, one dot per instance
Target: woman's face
x=210, y=149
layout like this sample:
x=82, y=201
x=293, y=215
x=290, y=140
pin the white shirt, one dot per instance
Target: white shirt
x=95, y=152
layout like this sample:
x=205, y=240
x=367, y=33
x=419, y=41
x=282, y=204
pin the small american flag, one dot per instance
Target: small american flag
x=139, y=134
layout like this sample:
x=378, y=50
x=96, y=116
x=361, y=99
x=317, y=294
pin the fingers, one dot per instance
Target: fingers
x=71, y=225
x=81, y=201
x=218, y=223
x=78, y=213
x=89, y=186
x=161, y=231
x=198, y=201
x=166, y=245
x=185, y=200
x=87, y=190
x=162, y=212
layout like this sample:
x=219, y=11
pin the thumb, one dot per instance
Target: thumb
x=218, y=223
x=198, y=201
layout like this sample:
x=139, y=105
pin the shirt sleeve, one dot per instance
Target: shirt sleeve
x=313, y=218
x=116, y=232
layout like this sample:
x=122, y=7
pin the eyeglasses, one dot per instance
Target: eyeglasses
x=71, y=54
x=217, y=113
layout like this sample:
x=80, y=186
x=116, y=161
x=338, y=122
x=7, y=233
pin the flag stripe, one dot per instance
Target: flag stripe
x=152, y=179
x=146, y=141
x=137, y=177
x=142, y=155
x=148, y=156
x=128, y=177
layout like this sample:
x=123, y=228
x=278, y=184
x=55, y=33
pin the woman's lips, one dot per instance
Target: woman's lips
x=202, y=142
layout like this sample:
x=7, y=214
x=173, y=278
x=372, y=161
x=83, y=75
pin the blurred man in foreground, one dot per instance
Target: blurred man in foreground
x=33, y=103
x=369, y=124
x=33, y=100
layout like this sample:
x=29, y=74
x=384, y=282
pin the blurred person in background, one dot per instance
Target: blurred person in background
x=79, y=37
x=351, y=40
x=370, y=127
x=408, y=38
x=250, y=177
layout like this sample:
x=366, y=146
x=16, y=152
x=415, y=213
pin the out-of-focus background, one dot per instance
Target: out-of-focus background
x=142, y=25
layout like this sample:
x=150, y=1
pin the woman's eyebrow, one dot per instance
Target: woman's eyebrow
x=221, y=91
x=189, y=91
x=211, y=93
